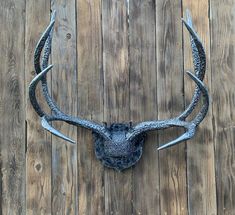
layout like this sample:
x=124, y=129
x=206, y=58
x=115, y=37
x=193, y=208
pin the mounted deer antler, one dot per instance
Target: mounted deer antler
x=119, y=146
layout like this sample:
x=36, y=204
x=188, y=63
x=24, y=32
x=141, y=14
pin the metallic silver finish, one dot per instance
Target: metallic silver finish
x=119, y=146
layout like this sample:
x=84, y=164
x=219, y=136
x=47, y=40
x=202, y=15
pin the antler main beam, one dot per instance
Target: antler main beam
x=199, y=60
x=57, y=114
x=119, y=146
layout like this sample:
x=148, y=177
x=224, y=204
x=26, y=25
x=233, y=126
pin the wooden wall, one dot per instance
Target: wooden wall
x=117, y=60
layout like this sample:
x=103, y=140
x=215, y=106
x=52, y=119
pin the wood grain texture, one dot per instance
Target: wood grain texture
x=12, y=123
x=223, y=94
x=172, y=162
x=38, y=157
x=90, y=105
x=143, y=97
x=116, y=61
x=118, y=186
x=200, y=150
x=64, y=85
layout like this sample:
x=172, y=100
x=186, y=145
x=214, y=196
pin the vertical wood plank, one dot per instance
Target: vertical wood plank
x=64, y=88
x=223, y=91
x=143, y=102
x=200, y=150
x=172, y=162
x=38, y=157
x=151, y=95
x=118, y=192
x=12, y=98
x=90, y=105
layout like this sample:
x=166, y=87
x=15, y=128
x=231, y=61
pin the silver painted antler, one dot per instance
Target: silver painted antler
x=57, y=114
x=119, y=146
x=199, y=60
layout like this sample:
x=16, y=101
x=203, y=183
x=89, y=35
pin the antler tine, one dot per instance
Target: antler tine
x=57, y=114
x=199, y=61
x=40, y=45
x=47, y=48
x=186, y=136
x=206, y=100
x=48, y=127
x=32, y=88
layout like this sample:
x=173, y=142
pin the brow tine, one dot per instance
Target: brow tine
x=189, y=134
x=48, y=127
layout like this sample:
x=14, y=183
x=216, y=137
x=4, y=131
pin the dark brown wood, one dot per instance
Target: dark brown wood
x=223, y=94
x=64, y=89
x=12, y=123
x=118, y=187
x=172, y=161
x=143, y=97
x=200, y=150
x=90, y=105
x=38, y=157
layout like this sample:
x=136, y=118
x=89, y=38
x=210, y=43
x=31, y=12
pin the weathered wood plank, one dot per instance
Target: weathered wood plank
x=108, y=87
x=143, y=102
x=118, y=191
x=64, y=88
x=12, y=98
x=90, y=105
x=38, y=157
x=200, y=150
x=172, y=162
x=223, y=92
